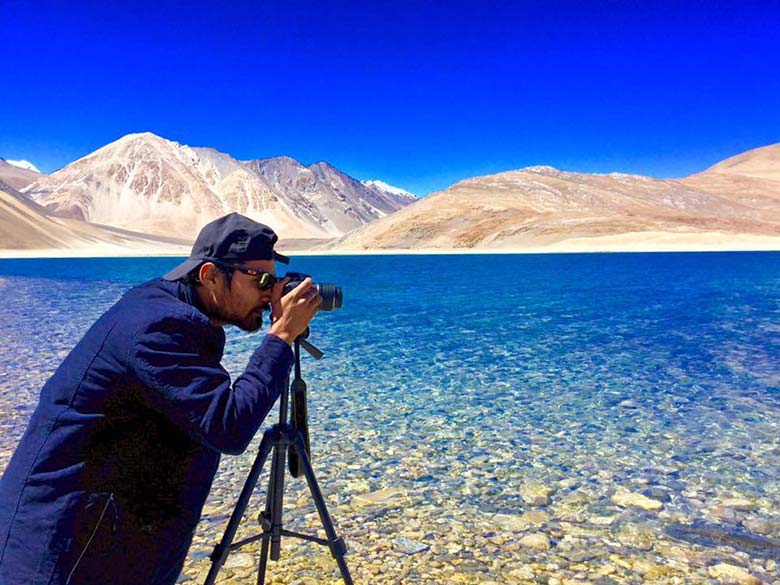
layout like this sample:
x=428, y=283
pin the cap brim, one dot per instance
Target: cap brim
x=183, y=269
x=281, y=258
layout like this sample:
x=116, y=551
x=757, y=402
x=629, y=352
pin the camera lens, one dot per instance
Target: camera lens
x=331, y=295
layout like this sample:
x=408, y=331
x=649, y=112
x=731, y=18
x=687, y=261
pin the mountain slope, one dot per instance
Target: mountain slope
x=752, y=178
x=17, y=177
x=146, y=183
x=543, y=207
x=25, y=225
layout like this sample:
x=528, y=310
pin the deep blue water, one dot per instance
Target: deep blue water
x=581, y=372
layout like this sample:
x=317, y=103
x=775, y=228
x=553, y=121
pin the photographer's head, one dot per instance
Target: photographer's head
x=232, y=268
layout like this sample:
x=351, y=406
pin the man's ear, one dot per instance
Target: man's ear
x=208, y=275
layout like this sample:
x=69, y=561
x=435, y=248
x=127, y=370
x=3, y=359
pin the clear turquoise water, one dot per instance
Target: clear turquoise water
x=461, y=379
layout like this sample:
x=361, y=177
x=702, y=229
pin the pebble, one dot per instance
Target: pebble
x=625, y=498
x=240, y=560
x=383, y=497
x=524, y=573
x=538, y=541
x=409, y=547
x=536, y=494
x=741, y=504
x=511, y=522
x=726, y=573
x=602, y=520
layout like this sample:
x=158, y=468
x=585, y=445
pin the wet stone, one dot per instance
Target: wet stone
x=384, y=497
x=726, y=573
x=409, y=547
x=625, y=498
x=537, y=541
x=657, y=493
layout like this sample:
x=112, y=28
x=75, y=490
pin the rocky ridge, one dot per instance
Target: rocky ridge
x=545, y=208
x=152, y=185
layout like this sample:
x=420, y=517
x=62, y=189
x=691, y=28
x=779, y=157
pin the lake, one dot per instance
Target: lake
x=493, y=418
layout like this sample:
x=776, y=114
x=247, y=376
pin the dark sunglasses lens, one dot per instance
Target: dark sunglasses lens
x=266, y=281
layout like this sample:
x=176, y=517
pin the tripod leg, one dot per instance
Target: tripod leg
x=221, y=551
x=276, y=499
x=268, y=519
x=263, y=562
x=336, y=544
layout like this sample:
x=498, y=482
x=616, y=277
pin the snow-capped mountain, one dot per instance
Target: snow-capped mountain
x=146, y=183
x=16, y=176
x=23, y=164
x=382, y=186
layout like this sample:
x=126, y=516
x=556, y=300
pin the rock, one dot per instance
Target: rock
x=538, y=541
x=524, y=573
x=625, y=498
x=657, y=493
x=408, y=546
x=726, y=573
x=240, y=561
x=763, y=526
x=741, y=504
x=606, y=570
x=396, y=496
x=725, y=514
x=535, y=494
x=535, y=517
x=512, y=522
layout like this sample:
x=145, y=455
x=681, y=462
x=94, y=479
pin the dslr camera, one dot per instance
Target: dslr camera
x=331, y=294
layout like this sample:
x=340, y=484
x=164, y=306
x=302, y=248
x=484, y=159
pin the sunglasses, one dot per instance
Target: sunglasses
x=265, y=280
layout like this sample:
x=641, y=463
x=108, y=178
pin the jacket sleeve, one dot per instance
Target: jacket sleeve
x=183, y=380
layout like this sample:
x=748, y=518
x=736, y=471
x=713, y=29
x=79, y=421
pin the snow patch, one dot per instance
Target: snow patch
x=382, y=186
x=23, y=164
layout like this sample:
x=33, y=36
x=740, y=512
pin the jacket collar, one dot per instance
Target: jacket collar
x=189, y=295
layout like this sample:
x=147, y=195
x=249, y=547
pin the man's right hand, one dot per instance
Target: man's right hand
x=293, y=311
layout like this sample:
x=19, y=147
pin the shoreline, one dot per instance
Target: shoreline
x=621, y=244
x=66, y=254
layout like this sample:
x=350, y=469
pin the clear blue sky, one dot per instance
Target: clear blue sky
x=419, y=94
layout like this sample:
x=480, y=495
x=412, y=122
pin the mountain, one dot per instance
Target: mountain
x=752, y=178
x=17, y=176
x=24, y=164
x=149, y=184
x=24, y=225
x=759, y=163
x=543, y=208
x=382, y=186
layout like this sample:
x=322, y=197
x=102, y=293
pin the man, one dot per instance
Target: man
x=108, y=481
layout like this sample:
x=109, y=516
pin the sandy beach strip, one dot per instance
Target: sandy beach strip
x=622, y=243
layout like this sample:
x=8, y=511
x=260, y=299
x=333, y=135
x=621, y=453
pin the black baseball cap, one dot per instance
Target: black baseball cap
x=232, y=239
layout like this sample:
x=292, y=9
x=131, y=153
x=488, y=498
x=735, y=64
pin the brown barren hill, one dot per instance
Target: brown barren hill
x=25, y=226
x=733, y=205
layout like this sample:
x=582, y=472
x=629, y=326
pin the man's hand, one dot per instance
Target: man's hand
x=292, y=312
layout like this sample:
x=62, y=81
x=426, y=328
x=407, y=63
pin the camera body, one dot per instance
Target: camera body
x=331, y=295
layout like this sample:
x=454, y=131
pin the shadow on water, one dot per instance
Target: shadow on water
x=717, y=535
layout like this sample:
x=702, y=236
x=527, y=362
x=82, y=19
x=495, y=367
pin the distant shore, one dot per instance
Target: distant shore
x=644, y=242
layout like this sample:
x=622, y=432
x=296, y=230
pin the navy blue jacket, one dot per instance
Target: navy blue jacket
x=109, y=479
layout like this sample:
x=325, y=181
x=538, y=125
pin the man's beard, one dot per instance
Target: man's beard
x=252, y=322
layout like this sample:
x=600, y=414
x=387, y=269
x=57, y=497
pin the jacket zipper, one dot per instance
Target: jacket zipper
x=110, y=501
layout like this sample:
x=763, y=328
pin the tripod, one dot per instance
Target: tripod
x=281, y=439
